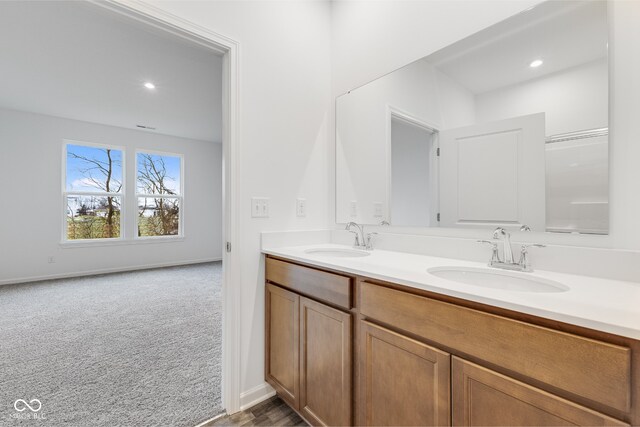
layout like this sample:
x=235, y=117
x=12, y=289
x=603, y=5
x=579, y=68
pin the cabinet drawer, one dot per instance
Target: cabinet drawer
x=592, y=369
x=332, y=288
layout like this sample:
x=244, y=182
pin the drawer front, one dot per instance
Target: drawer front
x=329, y=287
x=592, y=369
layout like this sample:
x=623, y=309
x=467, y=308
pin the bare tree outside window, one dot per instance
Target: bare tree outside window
x=159, y=195
x=93, y=192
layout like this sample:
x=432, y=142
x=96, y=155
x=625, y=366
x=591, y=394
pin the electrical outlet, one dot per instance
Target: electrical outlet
x=51, y=260
x=377, y=209
x=353, y=208
x=260, y=207
x=301, y=207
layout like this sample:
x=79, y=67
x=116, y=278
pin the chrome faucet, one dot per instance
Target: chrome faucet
x=361, y=241
x=358, y=233
x=506, y=237
x=507, y=263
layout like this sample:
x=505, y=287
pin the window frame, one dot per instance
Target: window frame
x=66, y=193
x=180, y=196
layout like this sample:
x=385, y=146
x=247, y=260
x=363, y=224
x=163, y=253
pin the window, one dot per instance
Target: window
x=159, y=194
x=93, y=192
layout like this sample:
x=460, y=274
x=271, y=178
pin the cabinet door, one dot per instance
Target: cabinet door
x=282, y=343
x=403, y=382
x=325, y=364
x=482, y=397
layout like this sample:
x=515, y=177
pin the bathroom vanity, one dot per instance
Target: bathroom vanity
x=346, y=348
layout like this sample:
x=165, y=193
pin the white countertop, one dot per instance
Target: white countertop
x=606, y=305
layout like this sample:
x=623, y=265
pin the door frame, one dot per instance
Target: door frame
x=229, y=49
x=403, y=116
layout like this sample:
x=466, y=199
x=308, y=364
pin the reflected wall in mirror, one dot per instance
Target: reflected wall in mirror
x=508, y=127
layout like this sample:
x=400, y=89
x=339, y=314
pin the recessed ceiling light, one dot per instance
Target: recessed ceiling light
x=536, y=63
x=149, y=85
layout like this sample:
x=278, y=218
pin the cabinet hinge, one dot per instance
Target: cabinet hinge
x=228, y=246
x=438, y=151
x=438, y=217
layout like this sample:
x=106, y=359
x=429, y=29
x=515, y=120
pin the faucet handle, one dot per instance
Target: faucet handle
x=532, y=245
x=525, y=227
x=488, y=242
x=368, y=243
x=524, y=255
x=494, y=251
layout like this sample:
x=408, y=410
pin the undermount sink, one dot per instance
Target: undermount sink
x=509, y=281
x=338, y=252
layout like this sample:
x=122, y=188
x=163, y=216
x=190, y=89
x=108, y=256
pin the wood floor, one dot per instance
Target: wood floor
x=271, y=412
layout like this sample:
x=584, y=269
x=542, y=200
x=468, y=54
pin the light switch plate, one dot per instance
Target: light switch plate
x=301, y=207
x=259, y=207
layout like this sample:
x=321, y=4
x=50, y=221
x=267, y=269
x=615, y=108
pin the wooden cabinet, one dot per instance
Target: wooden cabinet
x=403, y=381
x=593, y=369
x=325, y=364
x=331, y=288
x=482, y=397
x=283, y=343
x=431, y=360
x=309, y=356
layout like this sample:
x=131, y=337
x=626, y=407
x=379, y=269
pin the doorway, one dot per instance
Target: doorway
x=413, y=197
x=231, y=273
x=121, y=214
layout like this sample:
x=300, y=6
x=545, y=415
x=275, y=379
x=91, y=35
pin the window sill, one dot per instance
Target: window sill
x=120, y=242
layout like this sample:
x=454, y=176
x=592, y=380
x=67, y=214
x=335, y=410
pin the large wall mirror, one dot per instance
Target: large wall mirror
x=508, y=127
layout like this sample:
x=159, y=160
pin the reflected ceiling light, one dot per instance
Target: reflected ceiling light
x=536, y=63
x=149, y=85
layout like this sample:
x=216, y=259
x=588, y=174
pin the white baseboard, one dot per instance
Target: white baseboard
x=104, y=271
x=256, y=395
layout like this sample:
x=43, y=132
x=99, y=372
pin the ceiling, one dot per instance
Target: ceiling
x=563, y=34
x=81, y=61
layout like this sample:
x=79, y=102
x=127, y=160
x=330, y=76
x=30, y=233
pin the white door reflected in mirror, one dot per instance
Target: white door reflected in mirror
x=493, y=174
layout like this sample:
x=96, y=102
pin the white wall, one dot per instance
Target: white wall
x=624, y=126
x=31, y=174
x=568, y=106
x=285, y=93
x=370, y=39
